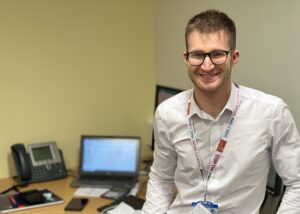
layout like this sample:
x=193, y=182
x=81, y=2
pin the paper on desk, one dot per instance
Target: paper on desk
x=90, y=192
x=123, y=208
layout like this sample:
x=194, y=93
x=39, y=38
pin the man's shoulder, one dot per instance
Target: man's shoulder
x=259, y=96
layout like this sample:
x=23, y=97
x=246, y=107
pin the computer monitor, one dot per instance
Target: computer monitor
x=274, y=182
x=161, y=94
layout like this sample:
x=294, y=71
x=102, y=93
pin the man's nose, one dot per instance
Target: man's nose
x=207, y=64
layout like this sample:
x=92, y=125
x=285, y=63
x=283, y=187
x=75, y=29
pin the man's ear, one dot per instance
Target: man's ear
x=235, y=57
x=185, y=57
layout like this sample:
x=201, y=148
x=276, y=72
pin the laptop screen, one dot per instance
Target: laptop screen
x=109, y=155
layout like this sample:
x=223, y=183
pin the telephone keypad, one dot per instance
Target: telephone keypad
x=48, y=172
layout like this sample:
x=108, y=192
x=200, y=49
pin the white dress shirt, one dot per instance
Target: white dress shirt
x=264, y=130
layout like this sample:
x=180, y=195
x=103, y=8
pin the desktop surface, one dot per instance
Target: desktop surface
x=62, y=188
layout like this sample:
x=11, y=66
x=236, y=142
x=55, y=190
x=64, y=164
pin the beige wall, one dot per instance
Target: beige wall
x=268, y=39
x=72, y=67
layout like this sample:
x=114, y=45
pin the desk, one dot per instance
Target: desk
x=61, y=188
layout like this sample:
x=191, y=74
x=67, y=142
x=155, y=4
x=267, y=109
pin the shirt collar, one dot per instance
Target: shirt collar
x=230, y=105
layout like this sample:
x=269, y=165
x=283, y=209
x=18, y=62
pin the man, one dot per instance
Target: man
x=215, y=143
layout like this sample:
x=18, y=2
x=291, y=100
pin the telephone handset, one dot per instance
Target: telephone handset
x=43, y=162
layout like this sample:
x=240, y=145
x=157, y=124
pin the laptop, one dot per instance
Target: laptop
x=108, y=161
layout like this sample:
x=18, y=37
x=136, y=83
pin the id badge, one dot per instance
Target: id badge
x=210, y=206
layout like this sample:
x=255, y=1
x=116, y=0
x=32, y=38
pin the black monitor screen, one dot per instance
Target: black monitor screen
x=161, y=94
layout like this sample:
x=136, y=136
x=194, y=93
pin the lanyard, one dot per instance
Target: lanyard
x=222, y=142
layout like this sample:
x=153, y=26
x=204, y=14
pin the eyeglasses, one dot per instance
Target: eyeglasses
x=216, y=57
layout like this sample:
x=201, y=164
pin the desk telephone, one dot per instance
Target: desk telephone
x=43, y=162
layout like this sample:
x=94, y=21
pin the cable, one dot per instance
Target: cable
x=13, y=187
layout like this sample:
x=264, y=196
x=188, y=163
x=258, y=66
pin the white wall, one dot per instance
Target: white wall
x=268, y=37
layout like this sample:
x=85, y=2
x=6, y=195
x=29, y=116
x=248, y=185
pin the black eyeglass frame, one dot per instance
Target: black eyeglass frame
x=187, y=54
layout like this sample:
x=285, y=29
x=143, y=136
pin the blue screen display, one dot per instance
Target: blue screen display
x=110, y=154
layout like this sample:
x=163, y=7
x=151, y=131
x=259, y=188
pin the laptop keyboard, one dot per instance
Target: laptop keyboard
x=135, y=202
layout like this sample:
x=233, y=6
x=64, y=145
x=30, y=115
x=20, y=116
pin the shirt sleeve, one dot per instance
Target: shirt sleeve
x=286, y=157
x=160, y=188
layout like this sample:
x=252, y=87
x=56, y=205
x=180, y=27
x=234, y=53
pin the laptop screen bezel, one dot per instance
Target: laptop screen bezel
x=106, y=173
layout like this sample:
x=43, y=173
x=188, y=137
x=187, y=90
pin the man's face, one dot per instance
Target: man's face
x=209, y=78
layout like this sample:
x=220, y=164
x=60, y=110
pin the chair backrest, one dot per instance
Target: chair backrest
x=274, y=192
